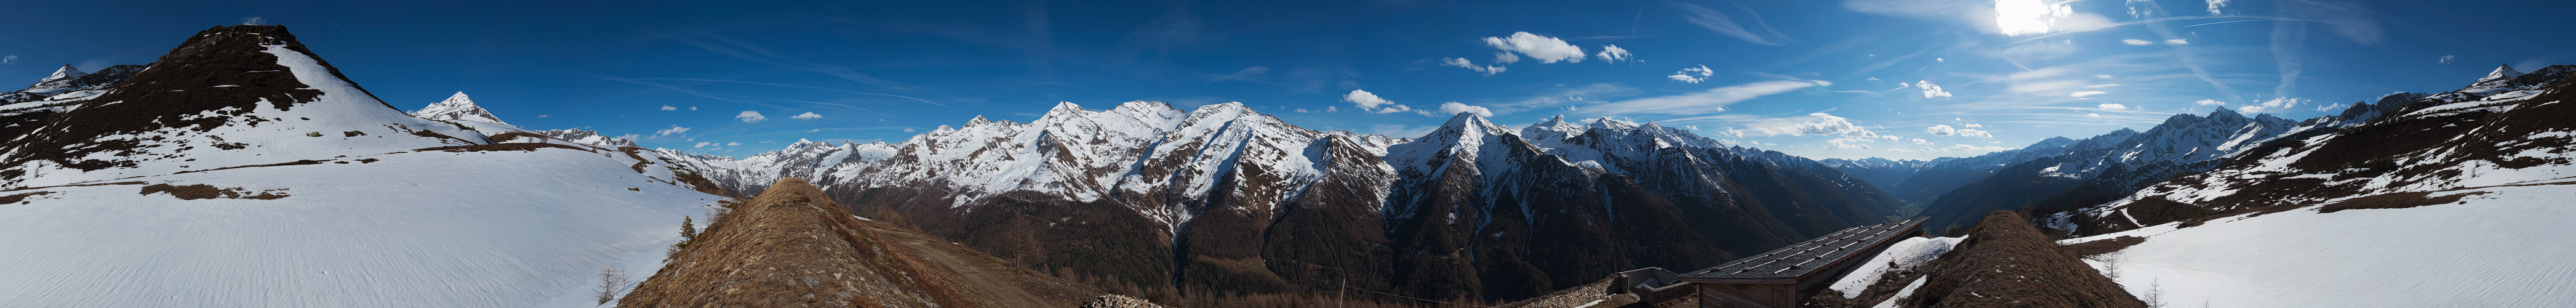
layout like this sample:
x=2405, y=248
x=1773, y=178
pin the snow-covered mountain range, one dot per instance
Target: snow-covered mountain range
x=1193, y=193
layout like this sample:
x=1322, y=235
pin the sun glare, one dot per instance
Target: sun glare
x=2018, y=17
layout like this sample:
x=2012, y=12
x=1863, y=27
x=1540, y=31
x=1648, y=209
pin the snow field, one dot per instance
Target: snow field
x=2507, y=248
x=425, y=229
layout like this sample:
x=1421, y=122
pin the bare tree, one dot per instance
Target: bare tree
x=2110, y=265
x=610, y=281
x=2155, y=295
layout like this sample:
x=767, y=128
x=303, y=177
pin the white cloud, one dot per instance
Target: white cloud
x=1686, y=74
x=1393, y=108
x=669, y=108
x=2177, y=42
x=675, y=129
x=2446, y=59
x=1891, y=138
x=1332, y=109
x=2137, y=42
x=2018, y=17
x=907, y=130
x=1921, y=141
x=1544, y=49
x=807, y=116
x=1470, y=65
x=1303, y=110
x=13, y=59
x=255, y=21
x=1453, y=108
x=733, y=143
x=2085, y=93
x=542, y=116
x=1975, y=133
x=1365, y=99
x=750, y=117
x=2215, y=7
x=1847, y=143
x=1974, y=125
x=693, y=108
x=1614, y=54
x=2277, y=103
x=1941, y=130
x=2208, y=102
x=2112, y=107
x=1701, y=102
x=1930, y=90
x=1503, y=57
x=703, y=144
x=2094, y=115
x=1826, y=124
x=2102, y=76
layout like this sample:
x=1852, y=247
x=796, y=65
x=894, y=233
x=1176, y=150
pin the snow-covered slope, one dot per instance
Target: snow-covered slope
x=242, y=171
x=457, y=108
x=2455, y=199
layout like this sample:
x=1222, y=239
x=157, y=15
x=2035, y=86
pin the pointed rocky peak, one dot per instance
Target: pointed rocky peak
x=2502, y=71
x=1611, y=124
x=1066, y=107
x=2224, y=113
x=67, y=72
x=457, y=108
x=802, y=143
x=1553, y=124
x=978, y=121
x=2267, y=118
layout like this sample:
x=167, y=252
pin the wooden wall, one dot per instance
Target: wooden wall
x=1727, y=295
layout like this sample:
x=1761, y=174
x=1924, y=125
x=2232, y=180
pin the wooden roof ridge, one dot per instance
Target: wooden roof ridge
x=1799, y=261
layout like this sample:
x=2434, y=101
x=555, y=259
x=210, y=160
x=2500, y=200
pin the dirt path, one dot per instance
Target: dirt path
x=996, y=279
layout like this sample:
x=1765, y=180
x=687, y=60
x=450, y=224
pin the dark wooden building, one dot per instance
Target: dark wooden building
x=1780, y=278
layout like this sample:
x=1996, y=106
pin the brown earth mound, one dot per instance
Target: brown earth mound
x=2007, y=263
x=203, y=191
x=792, y=247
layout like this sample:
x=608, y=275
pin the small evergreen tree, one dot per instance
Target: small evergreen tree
x=688, y=228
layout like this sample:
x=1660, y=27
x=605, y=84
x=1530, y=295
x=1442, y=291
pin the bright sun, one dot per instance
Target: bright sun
x=2018, y=17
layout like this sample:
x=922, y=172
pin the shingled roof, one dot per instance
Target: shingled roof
x=1793, y=263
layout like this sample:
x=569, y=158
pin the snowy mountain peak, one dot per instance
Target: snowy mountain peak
x=457, y=107
x=1612, y=124
x=1065, y=106
x=67, y=72
x=2218, y=112
x=978, y=121
x=2501, y=72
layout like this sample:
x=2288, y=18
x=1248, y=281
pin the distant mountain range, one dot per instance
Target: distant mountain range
x=1227, y=198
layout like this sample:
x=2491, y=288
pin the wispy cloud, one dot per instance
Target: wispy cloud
x=1245, y=74
x=674, y=130
x=1692, y=74
x=1702, y=102
x=807, y=116
x=1726, y=25
x=747, y=51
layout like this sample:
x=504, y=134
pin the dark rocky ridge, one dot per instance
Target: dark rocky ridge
x=171, y=92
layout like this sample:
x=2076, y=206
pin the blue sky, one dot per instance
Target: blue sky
x=1823, y=79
